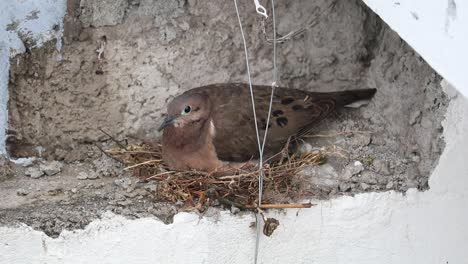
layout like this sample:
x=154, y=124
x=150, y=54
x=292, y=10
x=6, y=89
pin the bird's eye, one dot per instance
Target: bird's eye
x=187, y=110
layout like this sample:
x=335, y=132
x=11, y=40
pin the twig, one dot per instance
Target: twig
x=130, y=152
x=159, y=174
x=338, y=134
x=107, y=154
x=233, y=187
x=113, y=139
x=143, y=163
x=280, y=206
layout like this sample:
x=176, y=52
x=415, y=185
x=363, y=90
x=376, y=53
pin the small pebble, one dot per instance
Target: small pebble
x=124, y=203
x=130, y=189
x=344, y=187
x=82, y=176
x=153, y=211
x=389, y=185
x=360, y=140
x=352, y=169
x=378, y=140
x=123, y=182
x=51, y=168
x=414, y=117
x=93, y=176
x=416, y=158
x=131, y=194
x=365, y=186
x=22, y=192
x=321, y=176
x=34, y=172
x=234, y=210
x=382, y=166
x=126, y=211
x=150, y=187
x=87, y=176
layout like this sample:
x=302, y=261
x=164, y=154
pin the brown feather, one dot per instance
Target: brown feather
x=293, y=111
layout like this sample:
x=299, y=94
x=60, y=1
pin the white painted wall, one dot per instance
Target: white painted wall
x=21, y=12
x=421, y=227
x=436, y=29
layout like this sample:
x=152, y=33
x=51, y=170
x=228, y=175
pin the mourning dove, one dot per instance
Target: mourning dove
x=209, y=125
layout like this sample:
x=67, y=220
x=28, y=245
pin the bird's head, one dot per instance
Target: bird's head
x=187, y=110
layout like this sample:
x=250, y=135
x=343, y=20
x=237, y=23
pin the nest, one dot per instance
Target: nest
x=237, y=187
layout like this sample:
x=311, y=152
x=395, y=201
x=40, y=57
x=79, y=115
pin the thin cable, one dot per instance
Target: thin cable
x=261, y=147
x=273, y=86
x=248, y=75
x=257, y=236
x=275, y=69
x=261, y=176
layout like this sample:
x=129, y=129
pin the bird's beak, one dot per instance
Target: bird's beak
x=167, y=121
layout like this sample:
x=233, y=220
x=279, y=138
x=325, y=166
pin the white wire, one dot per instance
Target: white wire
x=261, y=147
x=260, y=179
x=248, y=75
x=273, y=86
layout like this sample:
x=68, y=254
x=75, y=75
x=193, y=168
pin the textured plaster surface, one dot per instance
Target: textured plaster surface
x=154, y=50
x=24, y=25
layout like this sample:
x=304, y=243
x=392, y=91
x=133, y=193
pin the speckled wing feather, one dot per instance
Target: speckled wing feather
x=293, y=111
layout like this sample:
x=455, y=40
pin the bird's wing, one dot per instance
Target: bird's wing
x=235, y=136
x=293, y=112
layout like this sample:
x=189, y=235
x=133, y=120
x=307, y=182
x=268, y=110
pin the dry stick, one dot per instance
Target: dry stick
x=113, y=139
x=131, y=152
x=338, y=134
x=143, y=163
x=265, y=206
x=107, y=154
x=159, y=174
x=289, y=166
x=280, y=206
x=187, y=181
x=291, y=34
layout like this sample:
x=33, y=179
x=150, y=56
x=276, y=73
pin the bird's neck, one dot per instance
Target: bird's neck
x=188, y=138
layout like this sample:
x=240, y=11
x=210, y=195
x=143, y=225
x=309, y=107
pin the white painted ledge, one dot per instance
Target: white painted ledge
x=436, y=29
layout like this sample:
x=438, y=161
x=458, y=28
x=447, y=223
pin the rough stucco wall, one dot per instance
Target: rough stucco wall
x=159, y=49
x=24, y=24
x=419, y=227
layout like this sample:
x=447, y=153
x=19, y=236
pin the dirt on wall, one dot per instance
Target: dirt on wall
x=122, y=60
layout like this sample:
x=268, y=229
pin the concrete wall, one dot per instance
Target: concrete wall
x=419, y=227
x=24, y=23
